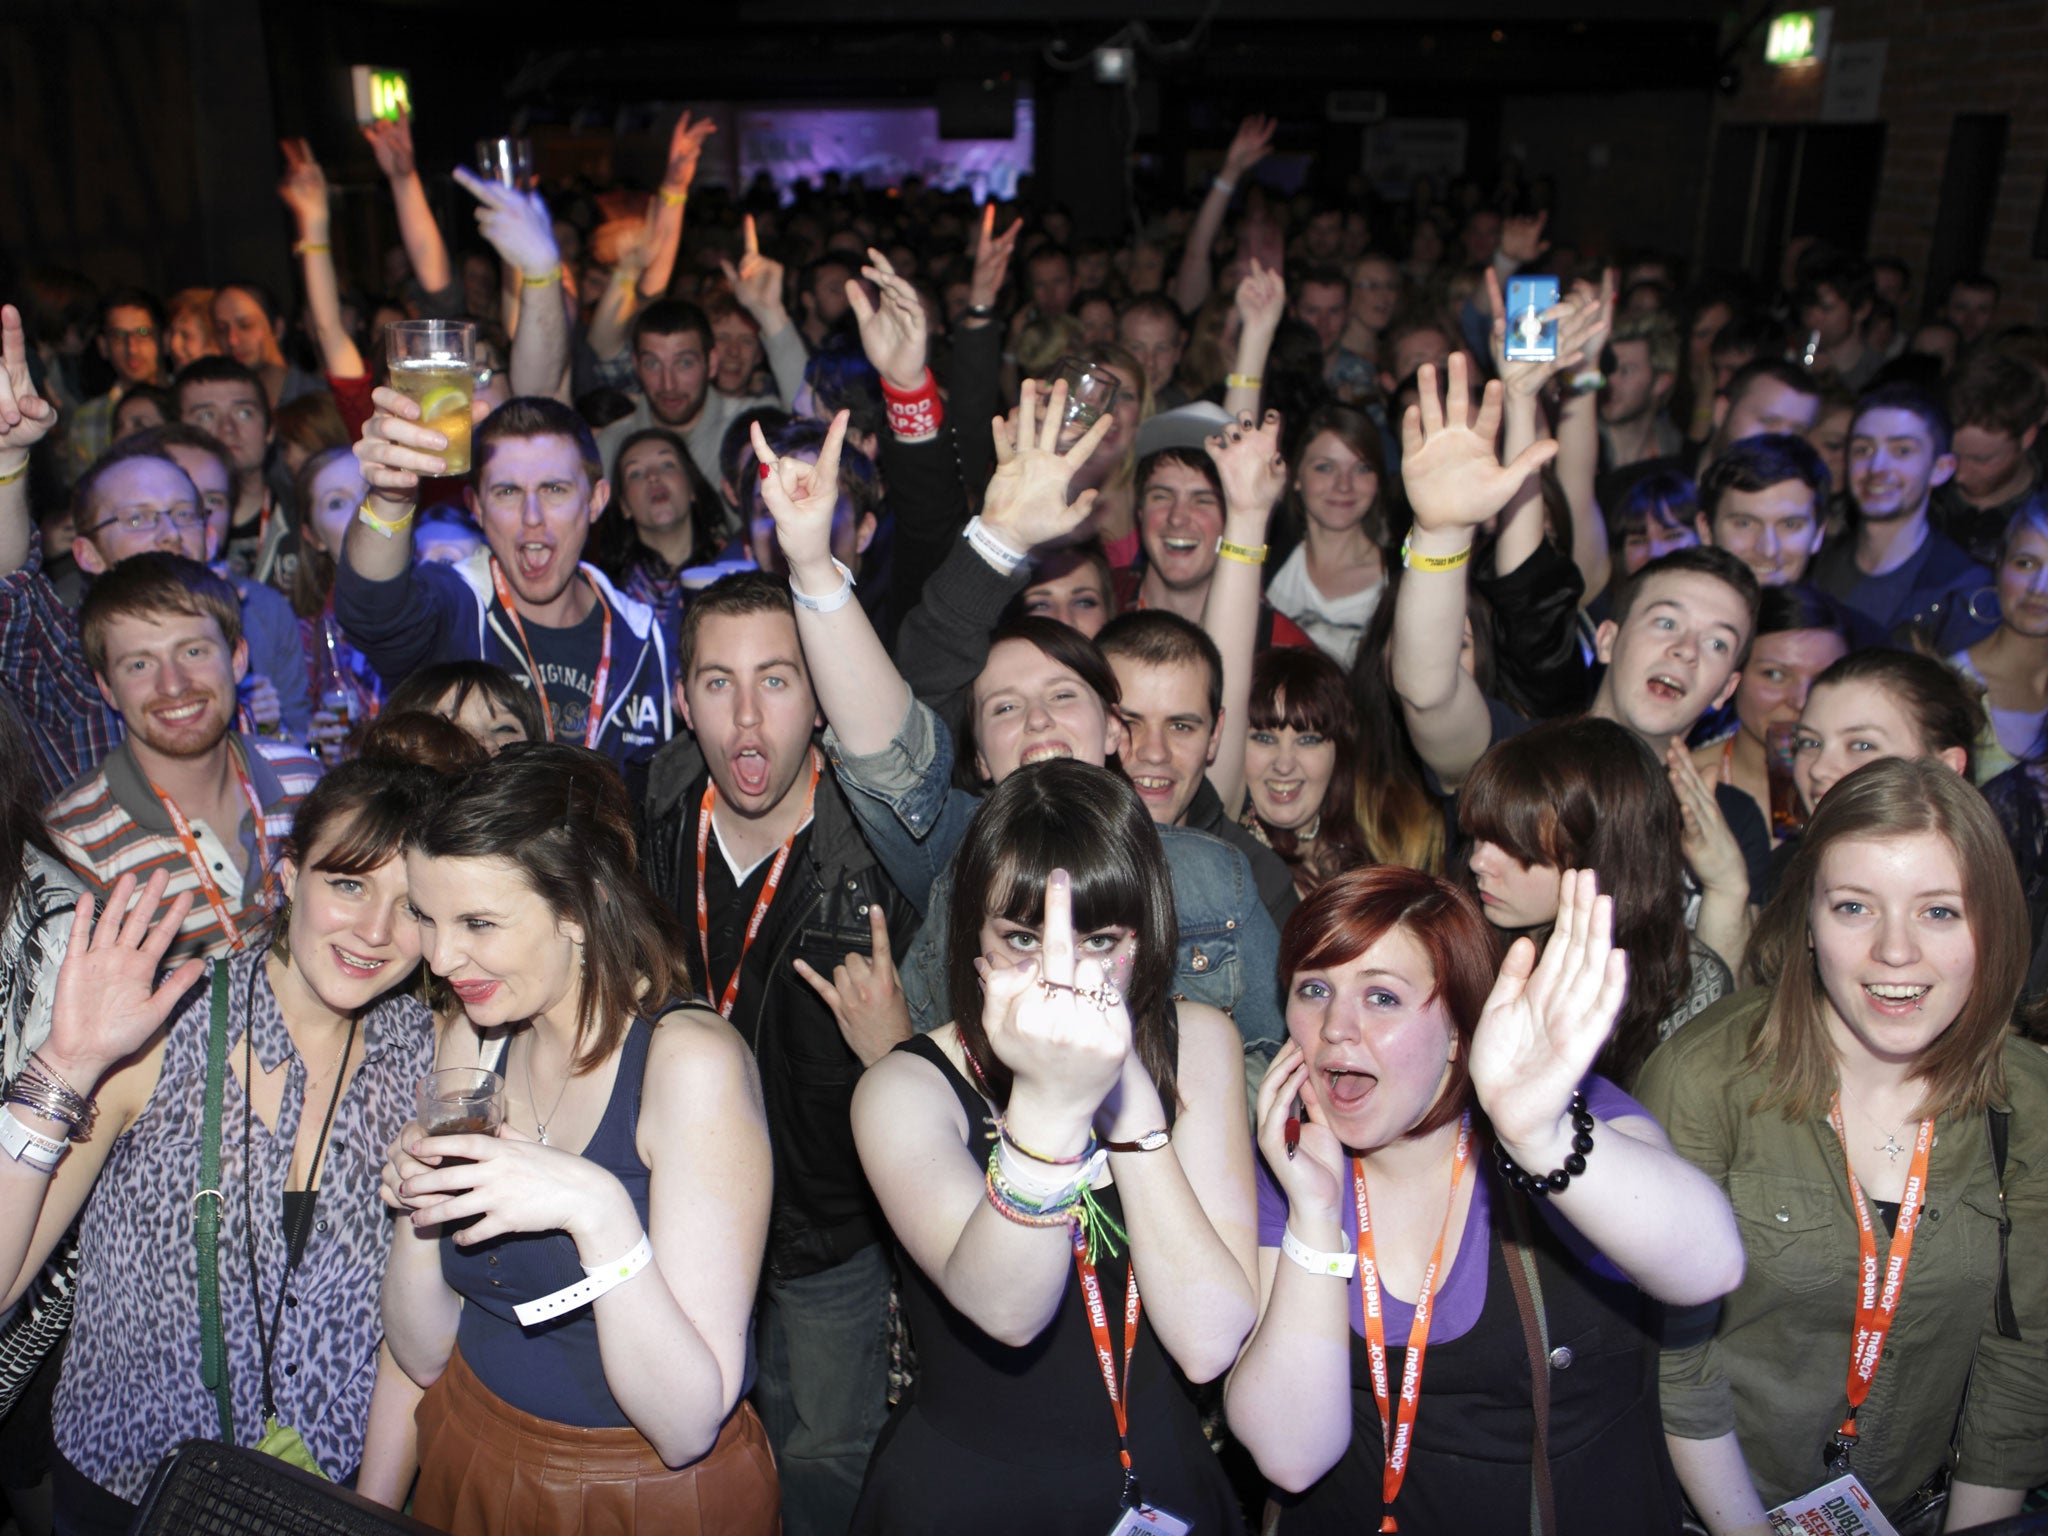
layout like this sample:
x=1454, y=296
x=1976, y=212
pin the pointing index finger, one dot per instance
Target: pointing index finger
x=878, y=933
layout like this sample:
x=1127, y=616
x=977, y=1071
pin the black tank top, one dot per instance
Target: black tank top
x=1469, y=1469
x=1022, y=1442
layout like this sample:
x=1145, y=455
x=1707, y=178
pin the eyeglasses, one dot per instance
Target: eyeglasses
x=139, y=520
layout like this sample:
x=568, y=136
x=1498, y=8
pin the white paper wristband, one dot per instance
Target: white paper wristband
x=831, y=602
x=29, y=1146
x=597, y=1281
x=1314, y=1260
x=990, y=546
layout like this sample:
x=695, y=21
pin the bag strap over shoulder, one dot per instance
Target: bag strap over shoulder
x=1527, y=1284
x=2001, y=1133
x=206, y=1209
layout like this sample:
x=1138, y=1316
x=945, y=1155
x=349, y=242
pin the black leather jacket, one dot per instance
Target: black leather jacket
x=823, y=1211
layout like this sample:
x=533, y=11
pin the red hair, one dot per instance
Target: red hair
x=1349, y=913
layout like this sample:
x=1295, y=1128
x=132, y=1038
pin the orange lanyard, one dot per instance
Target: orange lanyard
x=207, y=884
x=1877, y=1306
x=594, y=728
x=704, y=809
x=1105, y=1357
x=1397, y=1427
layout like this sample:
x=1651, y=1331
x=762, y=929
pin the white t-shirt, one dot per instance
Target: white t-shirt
x=1336, y=624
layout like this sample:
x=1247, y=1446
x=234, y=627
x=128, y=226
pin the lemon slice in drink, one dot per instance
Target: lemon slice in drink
x=441, y=402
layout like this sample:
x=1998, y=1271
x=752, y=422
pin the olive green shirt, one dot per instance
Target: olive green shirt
x=1773, y=1367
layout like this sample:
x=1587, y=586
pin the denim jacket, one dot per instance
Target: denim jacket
x=915, y=821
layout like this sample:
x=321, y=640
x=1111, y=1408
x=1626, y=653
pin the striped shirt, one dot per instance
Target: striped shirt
x=110, y=823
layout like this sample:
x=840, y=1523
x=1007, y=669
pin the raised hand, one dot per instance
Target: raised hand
x=803, y=499
x=1254, y=139
x=1026, y=502
x=1547, y=1020
x=1248, y=462
x=892, y=332
x=390, y=140
x=1055, y=1024
x=517, y=224
x=1521, y=238
x=1707, y=840
x=1261, y=298
x=991, y=258
x=865, y=995
x=259, y=696
x=26, y=418
x=1578, y=317
x=395, y=450
x=757, y=283
x=108, y=1002
x=1449, y=467
x=685, y=145
x=1314, y=1178
x=304, y=189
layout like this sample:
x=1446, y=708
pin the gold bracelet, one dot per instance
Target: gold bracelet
x=551, y=276
x=1244, y=554
x=673, y=199
x=1245, y=380
x=13, y=475
x=1415, y=562
x=389, y=530
x=309, y=247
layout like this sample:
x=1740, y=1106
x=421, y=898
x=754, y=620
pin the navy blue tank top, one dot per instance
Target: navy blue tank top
x=552, y=1370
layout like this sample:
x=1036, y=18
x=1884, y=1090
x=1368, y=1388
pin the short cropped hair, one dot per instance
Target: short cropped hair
x=153, y=583
x=1699, y=560
x=1758, y=463
x=1154, y=637
x=1657, y=331
x=1157, y=306
x=735, y=596
x=533, y=416
x=220, y=369
x=1996, y=392
x=1910, y=398
x=672, y=317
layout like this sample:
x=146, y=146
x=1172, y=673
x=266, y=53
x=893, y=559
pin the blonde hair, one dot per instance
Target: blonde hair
x=1962, y=1070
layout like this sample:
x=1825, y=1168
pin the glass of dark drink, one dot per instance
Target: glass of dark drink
x=1788, y=815
x=461, y=1101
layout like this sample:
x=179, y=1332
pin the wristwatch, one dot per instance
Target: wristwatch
x=1151, y=1141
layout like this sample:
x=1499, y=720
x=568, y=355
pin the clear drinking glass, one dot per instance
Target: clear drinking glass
x=1787, y=814
x=508, y=162
x=1091, y=390
x=434, y=363
x=461, y=1101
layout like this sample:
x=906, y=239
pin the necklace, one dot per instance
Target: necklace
x=1891, y=1146
x=540, y=1126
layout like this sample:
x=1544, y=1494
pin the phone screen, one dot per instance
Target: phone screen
x=1531, y=338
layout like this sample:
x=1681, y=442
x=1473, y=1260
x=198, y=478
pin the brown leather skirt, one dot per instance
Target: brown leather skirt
x=487, y=1469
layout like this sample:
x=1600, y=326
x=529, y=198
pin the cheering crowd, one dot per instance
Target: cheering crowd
x=1068, y=861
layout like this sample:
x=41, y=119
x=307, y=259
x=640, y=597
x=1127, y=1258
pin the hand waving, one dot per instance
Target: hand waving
x=108, y=1001
x=892, y=333
x=803, y=499
x=1708, y=842
x=1578, y=322
x=1253, y=141
x=1053, y=1024
x=865, y=995
x=1026, y=501
x=516, y=223
x=757, y=282
x=1548, y=1018
x=304, y=188
x=390, y=140
x=26, y=418
x=1248, y=461
x=1449, y=468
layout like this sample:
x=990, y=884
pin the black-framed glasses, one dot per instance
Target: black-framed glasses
x=140, y=520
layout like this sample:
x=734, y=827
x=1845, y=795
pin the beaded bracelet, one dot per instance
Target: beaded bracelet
x=1555, y=1181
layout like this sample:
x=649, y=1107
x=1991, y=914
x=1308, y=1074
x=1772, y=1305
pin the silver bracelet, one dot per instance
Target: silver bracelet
x=831, y=602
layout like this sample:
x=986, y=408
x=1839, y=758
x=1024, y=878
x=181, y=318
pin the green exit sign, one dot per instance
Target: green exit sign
x=381, y=94
x=1797, y=37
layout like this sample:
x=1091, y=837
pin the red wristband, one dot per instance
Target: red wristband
x=914, y=415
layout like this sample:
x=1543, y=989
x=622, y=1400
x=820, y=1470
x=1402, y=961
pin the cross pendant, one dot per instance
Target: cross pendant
x=1890, y=1146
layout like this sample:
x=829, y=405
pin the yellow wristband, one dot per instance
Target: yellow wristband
x=551, y=276
x=309, y=247
x=1415, y=562
x=365, y=515
x=1245, y=380
x=673, y=199
x=15, y=474
x=1243, y=554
